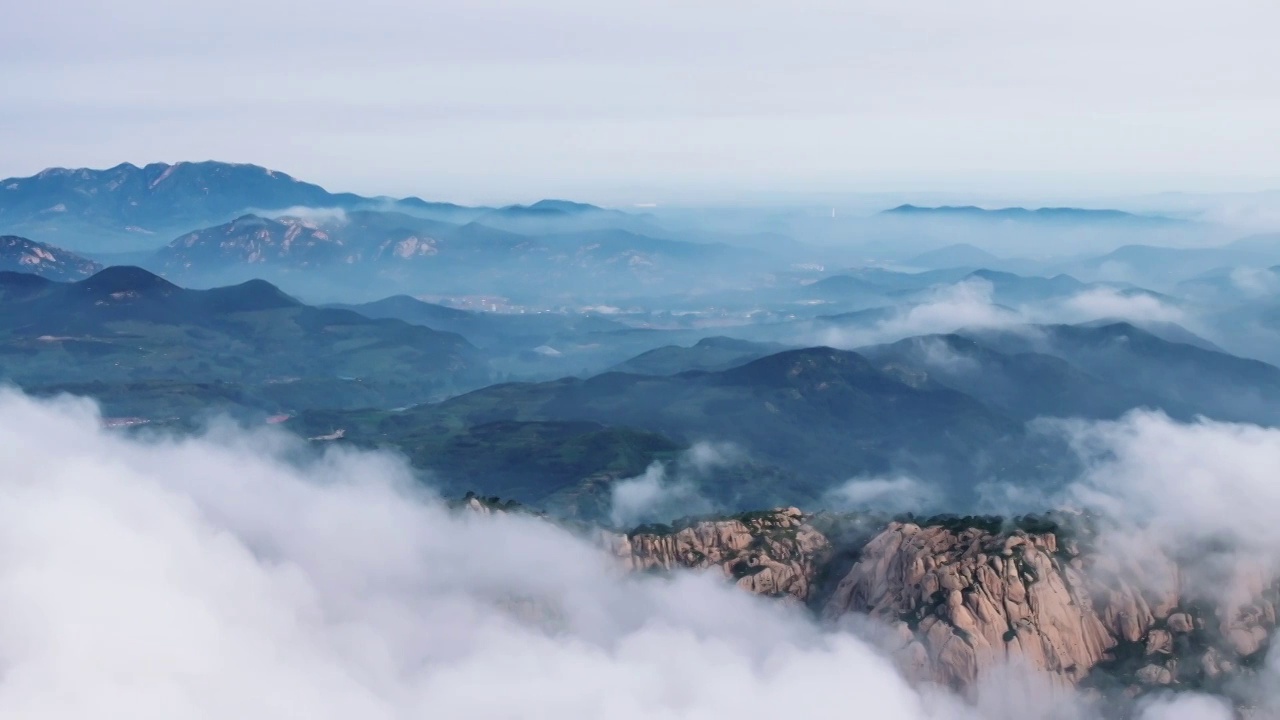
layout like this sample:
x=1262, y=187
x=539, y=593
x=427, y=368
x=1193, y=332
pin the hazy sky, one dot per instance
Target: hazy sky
x=617, y=101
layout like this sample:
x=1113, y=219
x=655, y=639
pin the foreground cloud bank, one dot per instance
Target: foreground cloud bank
x=223, y=578
x=235, y=576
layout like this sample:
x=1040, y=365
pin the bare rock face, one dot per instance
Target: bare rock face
x=772, y=553
x=964, y=602
x=972, y=600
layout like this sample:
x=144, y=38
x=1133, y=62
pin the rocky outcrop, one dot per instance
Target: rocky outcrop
x=772, y=553
x=965, y=601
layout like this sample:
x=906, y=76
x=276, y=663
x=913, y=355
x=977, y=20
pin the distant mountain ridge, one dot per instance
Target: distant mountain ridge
x=128, y=207
x=416, y=253
x=127, y=325
x=819, y=414
x=1021, y=214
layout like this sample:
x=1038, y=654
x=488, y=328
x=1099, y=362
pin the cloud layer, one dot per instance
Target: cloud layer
x=241, y=575
x=227, y=576
x=970, y=305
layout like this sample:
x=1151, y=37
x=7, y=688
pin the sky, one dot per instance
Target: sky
x=493, y=101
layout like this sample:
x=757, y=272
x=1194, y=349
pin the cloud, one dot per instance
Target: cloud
x=664, y=492
x=705, y=456
x=945, y=309
x=233, y=575
x=939, y=355
x=969, y=305
x=1200, y=493
x=1194, y=482
x=653, y=496
x=894, y=493
x=1256, y=282
x=309, y=214
x=1104, y=303
x=1186, y=707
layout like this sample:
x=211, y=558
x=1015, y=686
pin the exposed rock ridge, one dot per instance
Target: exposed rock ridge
x=771, y=553
x=965, y=601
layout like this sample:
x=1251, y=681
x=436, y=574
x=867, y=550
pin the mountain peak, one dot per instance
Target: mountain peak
x=249, y=296
x=815, y=366
x=126, y=280
x=567, y=206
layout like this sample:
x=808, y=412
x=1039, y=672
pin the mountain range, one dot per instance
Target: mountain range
x=127, y=325
x=1070, y=215
x=127, y=207
x=814, y=417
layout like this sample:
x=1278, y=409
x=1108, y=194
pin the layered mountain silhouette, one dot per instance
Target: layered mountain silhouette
x=816, y=417
x=413, y=253
x=125, y=324
x=127, y=207
x=1183, y=379
x=1037, y=215
x=708, y=354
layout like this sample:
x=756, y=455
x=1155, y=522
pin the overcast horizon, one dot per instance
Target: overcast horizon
x=493, y=102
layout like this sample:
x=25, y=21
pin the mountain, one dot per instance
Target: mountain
x=546, y=208
x=397, y=251
x=127, y=325
x=805, y=419
x=547, y=217
x=129, y=207
x=19, y=254
x=871, y=284
x=324, y=239
x=1064, y=215
x=709, y=354
x=1024, y=385
x=1183, y=379
x=1167, y=331
x=1011, y=289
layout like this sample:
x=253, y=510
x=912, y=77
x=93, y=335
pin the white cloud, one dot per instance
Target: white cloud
x=939, y=355
x=1193, y=482
x=664, y=492
x=1102, y=303
x=1257, y=282
x=887, y=493
x=947, y=308
x=213, y=578
x=969, y=305
x=1186, y=707
x=216, y=578
x=310, y=214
